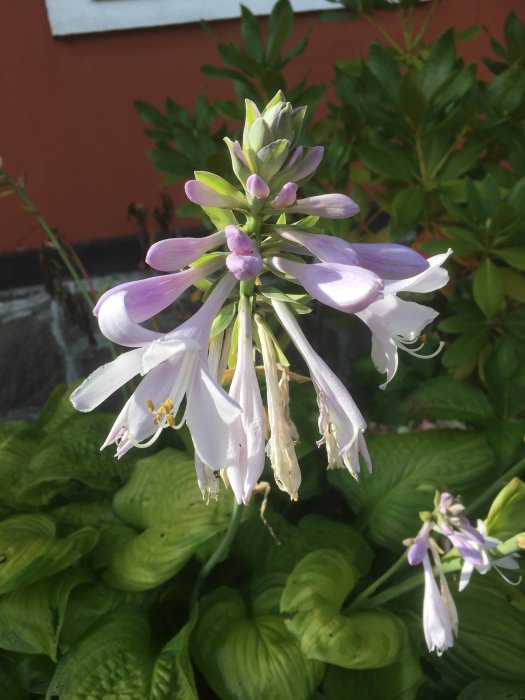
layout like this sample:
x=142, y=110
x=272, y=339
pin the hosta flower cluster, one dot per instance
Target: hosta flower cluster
x=445, y=528
x=261, y=267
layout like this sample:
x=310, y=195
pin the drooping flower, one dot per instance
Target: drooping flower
x=340, y=423
x=246, y=449
x=440, y=619
x=174, y=366
x=396, y=323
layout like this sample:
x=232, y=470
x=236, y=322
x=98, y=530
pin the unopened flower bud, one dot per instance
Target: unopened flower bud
x=238, y=242
x=257, y=187
x=286, y=197
x=244, y=267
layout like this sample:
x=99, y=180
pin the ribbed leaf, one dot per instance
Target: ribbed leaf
x=312, y=599
x=245, y=658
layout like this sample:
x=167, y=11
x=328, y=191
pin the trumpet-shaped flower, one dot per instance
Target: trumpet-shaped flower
x=174, y=366
x=347, y=288
x=396, y=323
x=440, y=618
x=245, y=458
x=175, y=253
x=340, y=422
x=140, y=300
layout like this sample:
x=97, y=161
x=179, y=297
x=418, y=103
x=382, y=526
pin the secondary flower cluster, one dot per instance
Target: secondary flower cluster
x=453, y=529
x=269, y=233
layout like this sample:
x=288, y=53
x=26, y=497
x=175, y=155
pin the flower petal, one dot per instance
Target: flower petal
x=390, y=261
x=344, y=287
x=106, y=379
x=115, y=323
x=175, y=253
x=331, y=206
x=328, y=249
x=434, y=277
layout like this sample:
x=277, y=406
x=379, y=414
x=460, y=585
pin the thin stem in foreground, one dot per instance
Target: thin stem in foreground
x=217, y=555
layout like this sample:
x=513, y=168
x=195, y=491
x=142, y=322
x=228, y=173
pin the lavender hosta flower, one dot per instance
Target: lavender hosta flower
x=245, y=261
x=390, y=261
x=286, y=196
x=330, y=206
x=340, y=423
x=174, y=366
x=344, y=287
x=204, y=195
x=283, y=433
x=419, y=548
x=175, y=253
x=440, y=619
x=327, y=249
x=301, y=165
x=396, y=323
x=487, y=561
x=238, y=242
x=246, y=448
x=134, y=302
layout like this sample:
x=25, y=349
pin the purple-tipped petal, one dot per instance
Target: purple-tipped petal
x=390, y=261
x=418, y=550
x=147, y=297
x=308, y=164
x=244, y=267
x=257, y=187
x=344, y=287
x=328, y=249
x=238, y=242
x=331, y=206
x=286, y=197
x=206, y=196
x=176, y=253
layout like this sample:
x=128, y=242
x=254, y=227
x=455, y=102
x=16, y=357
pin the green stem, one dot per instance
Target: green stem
x=19, y=191
x=426, y=22
x=510, y=546
x=217, y=555
x=493, y=489
x=381, y=30
x=356, y=603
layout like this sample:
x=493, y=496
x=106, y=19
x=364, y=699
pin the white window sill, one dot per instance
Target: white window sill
x=85, y=16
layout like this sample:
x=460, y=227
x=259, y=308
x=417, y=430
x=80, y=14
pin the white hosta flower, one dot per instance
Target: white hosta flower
x=245, y=458
x=396, y=323
x=283, y=433
x=340, y=422
x=440, y=619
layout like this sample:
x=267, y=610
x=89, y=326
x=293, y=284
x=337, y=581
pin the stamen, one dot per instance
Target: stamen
x=148, y=443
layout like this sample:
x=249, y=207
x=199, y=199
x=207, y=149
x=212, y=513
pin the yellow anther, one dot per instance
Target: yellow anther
x=170, y=420
x=150, y=405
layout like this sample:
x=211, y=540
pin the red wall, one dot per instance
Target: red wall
x=68, y=125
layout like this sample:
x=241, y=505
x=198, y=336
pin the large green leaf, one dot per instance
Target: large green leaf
x=397, y=681
x=446, y=399
x=114, y=660
x=488, y=288
x=172, y=677
x=31, y=618
x=407, y=470
x=30, y=550
x=163, y=500
x=312, y=599
x=249, y=658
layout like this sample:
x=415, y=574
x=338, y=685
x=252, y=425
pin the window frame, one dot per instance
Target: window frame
x=68, y=17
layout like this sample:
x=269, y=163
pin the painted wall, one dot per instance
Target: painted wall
x=67, y=121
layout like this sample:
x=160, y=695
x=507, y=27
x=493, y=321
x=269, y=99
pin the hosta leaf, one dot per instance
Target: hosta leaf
x=172, y=677
x=30, y=550
x=31, y=618
x=312, y=599
x=407, y=470
x=397, y=681
x=507, y=513
x=113, y=660
x=446, y=399
x=73, y=452
x=488, y=288
x=484, y=689
x=162, y=498
x=245, y=658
